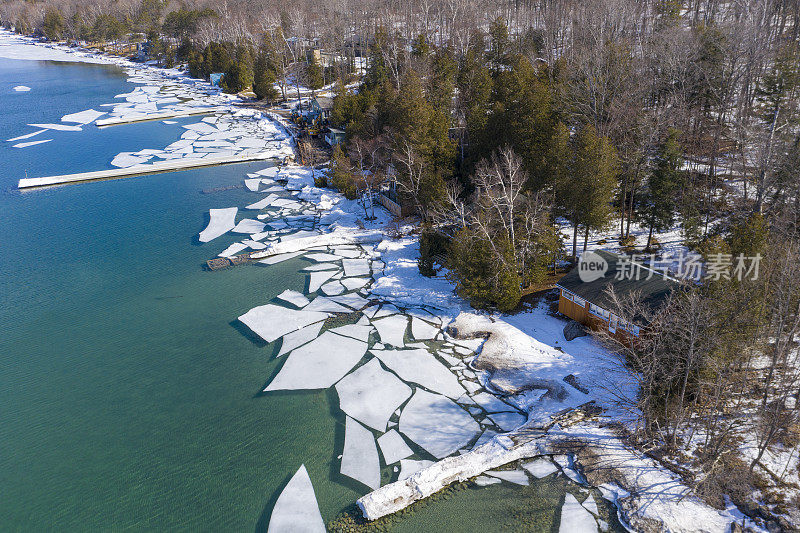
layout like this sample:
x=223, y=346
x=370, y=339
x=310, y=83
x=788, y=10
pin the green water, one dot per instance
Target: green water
x=129, y=396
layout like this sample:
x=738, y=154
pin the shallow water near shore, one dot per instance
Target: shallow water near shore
x=129, y=396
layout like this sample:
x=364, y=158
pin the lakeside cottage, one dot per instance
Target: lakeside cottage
x=586, y=300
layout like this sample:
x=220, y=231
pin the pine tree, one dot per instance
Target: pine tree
x=659, y=198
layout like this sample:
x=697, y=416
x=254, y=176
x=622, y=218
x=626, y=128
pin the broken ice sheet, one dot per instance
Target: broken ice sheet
x=353, y=284
x=296, y=508
x=574, y=518
x=420, y=366
x=512, y=476
x=436, y=423
x=508, y=421
x=321, y=257
x=318, y=278
x=392, y=329
x=248, y=225
x=321, y=303
x=272, y=321
x=393, y=447
x=409, y=467
x=298, y=299
x=357, y=331
x=370, y=394
x=421, y=330
x=320, y=363
x=300, y=337
x=356, y=267
x=491, y=403
x=360, y=456
x=540, y=468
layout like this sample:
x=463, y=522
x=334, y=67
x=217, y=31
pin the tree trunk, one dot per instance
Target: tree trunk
x=586, y=238
x=575, y=241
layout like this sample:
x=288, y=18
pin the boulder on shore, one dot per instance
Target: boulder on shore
x=574, y=330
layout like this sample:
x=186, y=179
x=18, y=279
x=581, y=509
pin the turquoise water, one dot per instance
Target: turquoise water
x=129, y=396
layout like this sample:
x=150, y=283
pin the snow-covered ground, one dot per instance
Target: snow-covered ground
x=400, y=377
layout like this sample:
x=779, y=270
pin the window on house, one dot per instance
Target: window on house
x=580, y=301
x=599, y=311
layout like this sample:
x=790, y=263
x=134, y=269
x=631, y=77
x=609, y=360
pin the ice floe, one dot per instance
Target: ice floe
x=320, y=363
x=574, y=518
x=393, y=447
x=420, y=366
x=318, y=278
x=273, y=321
x=508, y=421
x=264, y=202
x=220, y=222
x=292, y=340
x=360, y=456
x=83, y=117
x=491, y=403
x=31, y=143
x=517, y=477
x=437, y=424
x=321, y=303
x=275, y=259
x=356, y=267
x=297, y=299
x=248, y=225
x=352, y=284
x=296, y=508
x=59, y=127
x=322, y=257
x=21, y=89
x=357, y=331
x=421, y=330
x=370, y=394
x=251, y=184
x=392, y=329
x=26, y=136
x=540, y=468
x=409, y=467
x=233, y=249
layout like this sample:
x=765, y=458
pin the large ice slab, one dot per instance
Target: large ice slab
x=31, y=143
x=540, y=468
x=421, y=330
x=491, y=403
x=357, y=331
x=248, y=225
x=360, y=456
x=393, y=447
x=436, y=423
x=264, y=202
x=319, y=364
x=321, y=303
x=318, y=278
x=356, y=267
x=272, y=321
x=370, y=394
x=83, y=117
x=409, y=467
x=220, y=222
x=300, y=337
x=392, y=329
x=296, y=509
x=517, y=477
x=508, y=421
x=420, y=366
x=297, y=299
x=574, y=518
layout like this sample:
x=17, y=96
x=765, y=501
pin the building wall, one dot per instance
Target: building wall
x=581, y=314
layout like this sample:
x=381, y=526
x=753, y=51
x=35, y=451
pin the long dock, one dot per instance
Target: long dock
x=115, y=121
x=137, y=170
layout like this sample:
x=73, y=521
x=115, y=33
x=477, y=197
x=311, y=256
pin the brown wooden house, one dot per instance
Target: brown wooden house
x=588, y=302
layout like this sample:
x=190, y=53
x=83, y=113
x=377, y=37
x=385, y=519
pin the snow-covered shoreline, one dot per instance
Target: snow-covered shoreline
x=411, y=306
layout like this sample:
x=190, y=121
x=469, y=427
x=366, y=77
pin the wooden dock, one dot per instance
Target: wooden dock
x=115, y=121
x=138, y=170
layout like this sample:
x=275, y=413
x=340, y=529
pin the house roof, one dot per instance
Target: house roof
x=653, y=286
x=324, y=102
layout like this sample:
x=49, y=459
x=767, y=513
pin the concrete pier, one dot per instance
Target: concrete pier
x=165, y=166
